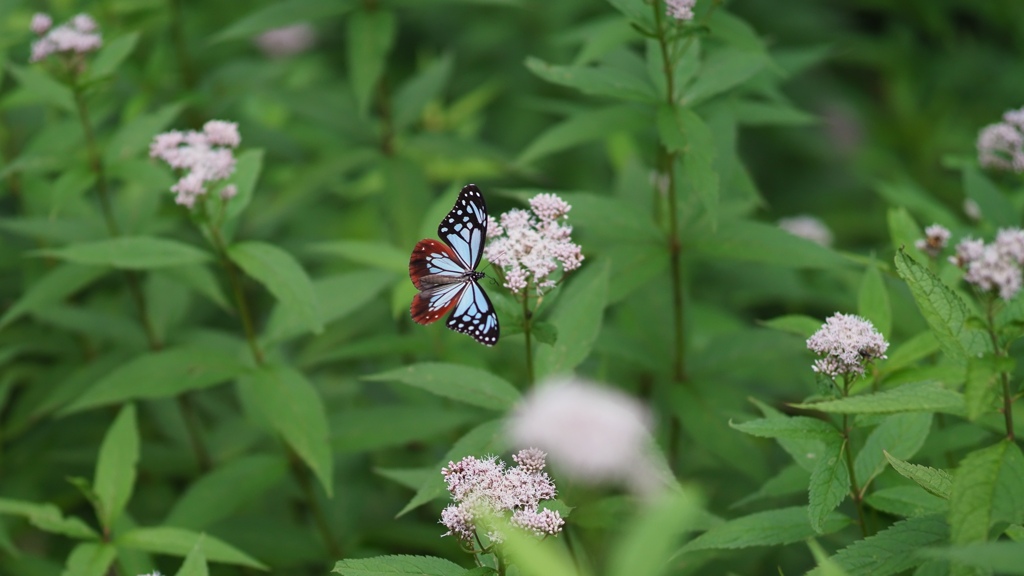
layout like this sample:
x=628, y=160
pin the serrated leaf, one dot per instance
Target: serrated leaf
x=906, y=501
x=224, y=490
x=115, y=467
x=283, y=276
x=934, y=480
x=892, y=550
x=900, y=435
x=769, y=528
x=371, y=34
x=805, y=451
x=595, y=80
x=722, y=70
x=111, y=56
x=57, y=284
x=873, y=300
x=472, y=386
x=129, y=252
x=829, y=485
x=945, y=312
x=748, y=241
x=180, y=542
x=294, y=408
x=986, y=488
x=577, y=320
x=999, y=557
x=913, y=397
x=796, y=427
x=163, y=374
x=981, y=392
x=397, y=565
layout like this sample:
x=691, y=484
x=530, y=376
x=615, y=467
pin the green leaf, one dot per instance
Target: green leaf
x=48, y=518
x=769, y=528
x=595, y=80
x=413, y=96
x=913, y=397
x=907, y=501
x=829, y=485
x=90, y=559
x=758, y=242
x=986, y=488
x=397, y=565
x=892, y=550
x=649, y=539
x=826, y=565
x=129, y=252
x=292, y=405
x=796, y=427
x=910, y=351
x=901, y=435
x=612, y=218
x=637, y=11
x=981, y=390
x=281, y=14
x=996, y=207
x=375, y=254
x=338, y=296
x=58, y=283
x=284, y=277
x=945, y=312
x=223, y=491
x=163, y=374
x=798, y=324
x=723, y=70
x=195, y=562
x=43, y=88
x=771, y=113
x=1000, y=557
x=180, y=542
x=904, y=230
x=683, y=131
x=577, y=317
x=134, y=136
x=582, y=127
x=934, y=480
x=472, y=386
x=371, y=34
x=873, y=300
x=247, y=173
x=115, y=467
x=486, y=438
x=110, y=57
x=357, y=429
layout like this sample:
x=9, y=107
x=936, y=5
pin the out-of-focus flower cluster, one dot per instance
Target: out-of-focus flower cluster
x=79, y=35
x=485, y=489
x=286, y=40
x=531, y=245
x=936, y=237
x=680, y=9
x=205, y=157
x=848, y=342
x=995, y=266
x=1001, y=145
x=808, y=228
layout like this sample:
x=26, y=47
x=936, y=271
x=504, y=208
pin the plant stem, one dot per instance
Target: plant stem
x=1003, y=376
x=858, y=498
x=239, y=294
x=527, y=323
x=301, y=474
x=192, y=424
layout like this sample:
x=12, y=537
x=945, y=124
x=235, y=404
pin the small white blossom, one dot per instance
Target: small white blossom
x=971, y=209
x=594, y=434
x=485, y=488
x=287, y=40
x=680, y=9
x=936, y=237
x=808, y=228
x=78, y=36
x=1001, y=145
x=204, y=157
x=848, y=343
x=995, y=266
x=530, y=246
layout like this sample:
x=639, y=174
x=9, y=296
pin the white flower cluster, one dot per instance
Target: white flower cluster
x=995, y=266
x=287, y=40
x=680, y=9
x=530, y=245
x=1001, y=145
x=485, y=489
x=936, y=237
x=204, y=156
x=808, y=228
x=77, y=36
x=848, y=343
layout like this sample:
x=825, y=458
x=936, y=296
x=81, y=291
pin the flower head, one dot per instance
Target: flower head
x=1001, y=145
x=848, y=343
x=995, y=266
x=204, y=157
x=935, y=239
x=287, y=40
x=75, y=37
x=485, y=488
x=592, y=433
x=680, y=9
x=531, y=245
x=808, y=228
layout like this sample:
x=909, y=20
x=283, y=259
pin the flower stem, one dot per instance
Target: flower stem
x=855, y=493
x=239, y=294
x=302, y=475
x=527, y=323
x=1003, y=376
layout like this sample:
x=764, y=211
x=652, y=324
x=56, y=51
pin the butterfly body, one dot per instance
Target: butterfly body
x=446, y=276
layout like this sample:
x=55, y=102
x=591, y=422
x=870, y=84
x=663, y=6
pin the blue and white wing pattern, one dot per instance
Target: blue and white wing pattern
x=446, y=276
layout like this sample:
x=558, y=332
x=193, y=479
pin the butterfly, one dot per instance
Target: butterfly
x=446, y=276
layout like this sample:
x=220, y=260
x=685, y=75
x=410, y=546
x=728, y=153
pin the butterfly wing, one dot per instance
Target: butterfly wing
x=474, y=315
x=430, y=257
x=430, y=305
x=464, y=229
